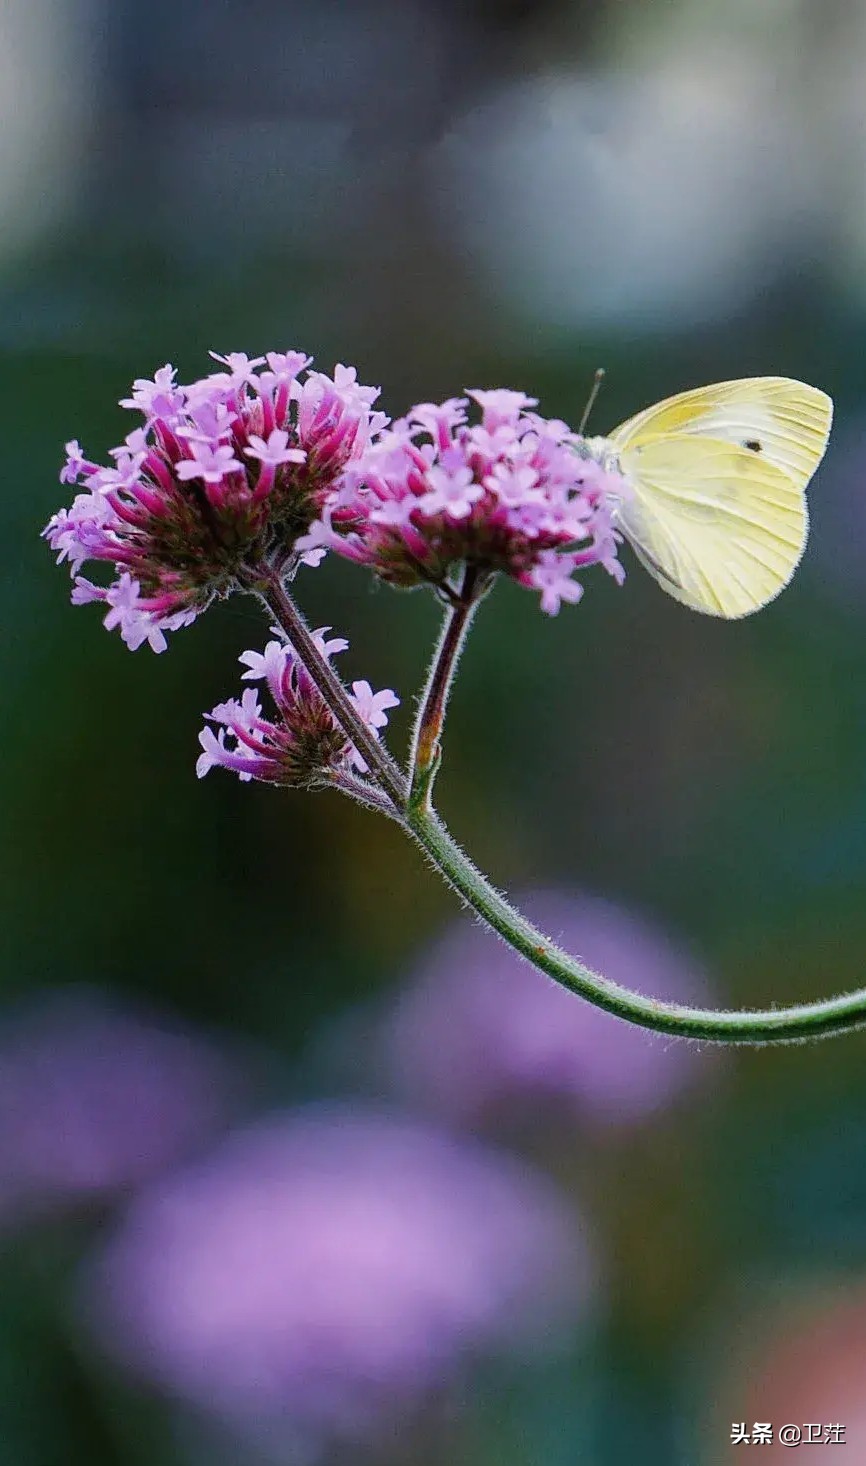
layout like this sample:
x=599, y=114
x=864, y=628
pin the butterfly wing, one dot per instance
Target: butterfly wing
x=717, y=511
x=776, y=418
x=720, y=527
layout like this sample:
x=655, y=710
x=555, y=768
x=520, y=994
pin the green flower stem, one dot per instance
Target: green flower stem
x=288, y=617
x=746, y=1026
x=420, y=821
x=426, y=753
x=363, y=792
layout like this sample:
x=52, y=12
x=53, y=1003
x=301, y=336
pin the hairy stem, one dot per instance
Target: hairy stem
x=759, y=1026
x=289, y=619
x=363, y=792
x=426, y=751
x=746, y=1026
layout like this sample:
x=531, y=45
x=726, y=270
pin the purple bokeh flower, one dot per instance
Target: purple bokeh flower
x=330, y=1268
x=838, y=515
x=515, y=493
x=224, y=476
x=95, y=1099
x=476, y=1030
x=305, y=745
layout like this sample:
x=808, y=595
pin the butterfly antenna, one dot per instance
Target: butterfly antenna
x=590, y=401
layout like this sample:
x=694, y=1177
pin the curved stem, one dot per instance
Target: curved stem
x=288, y=617
x=747, y=1026
x=426, y=752
x=758, y=1026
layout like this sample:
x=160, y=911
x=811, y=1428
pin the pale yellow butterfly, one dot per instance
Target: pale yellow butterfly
x=717, y=508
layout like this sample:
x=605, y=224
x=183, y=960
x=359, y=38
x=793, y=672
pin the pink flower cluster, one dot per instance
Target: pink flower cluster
x=327, y=1273
x=515, y=493
x=223, y=477
x=305, y=745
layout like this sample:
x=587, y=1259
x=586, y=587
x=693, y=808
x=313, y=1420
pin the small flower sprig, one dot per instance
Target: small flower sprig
x=235, y=481
x=302, y=745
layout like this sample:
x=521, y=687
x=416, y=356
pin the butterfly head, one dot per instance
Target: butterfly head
x=604, y=453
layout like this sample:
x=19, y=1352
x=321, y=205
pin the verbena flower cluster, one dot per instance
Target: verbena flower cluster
x=97, y=1098
x=333, y=1269
x=265, y=463
x=223, y=477
x=516, y=493
x=303, y=744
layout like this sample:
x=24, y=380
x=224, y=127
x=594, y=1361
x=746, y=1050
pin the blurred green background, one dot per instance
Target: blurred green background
x=454, y=193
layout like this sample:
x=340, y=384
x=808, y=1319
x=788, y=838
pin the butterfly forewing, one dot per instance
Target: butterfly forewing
x=776, y=418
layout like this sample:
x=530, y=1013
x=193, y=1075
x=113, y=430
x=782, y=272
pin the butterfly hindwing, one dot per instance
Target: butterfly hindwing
x=720, y=528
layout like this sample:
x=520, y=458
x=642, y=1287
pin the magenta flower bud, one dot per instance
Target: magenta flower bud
x=223, y=478
x=515, y=493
